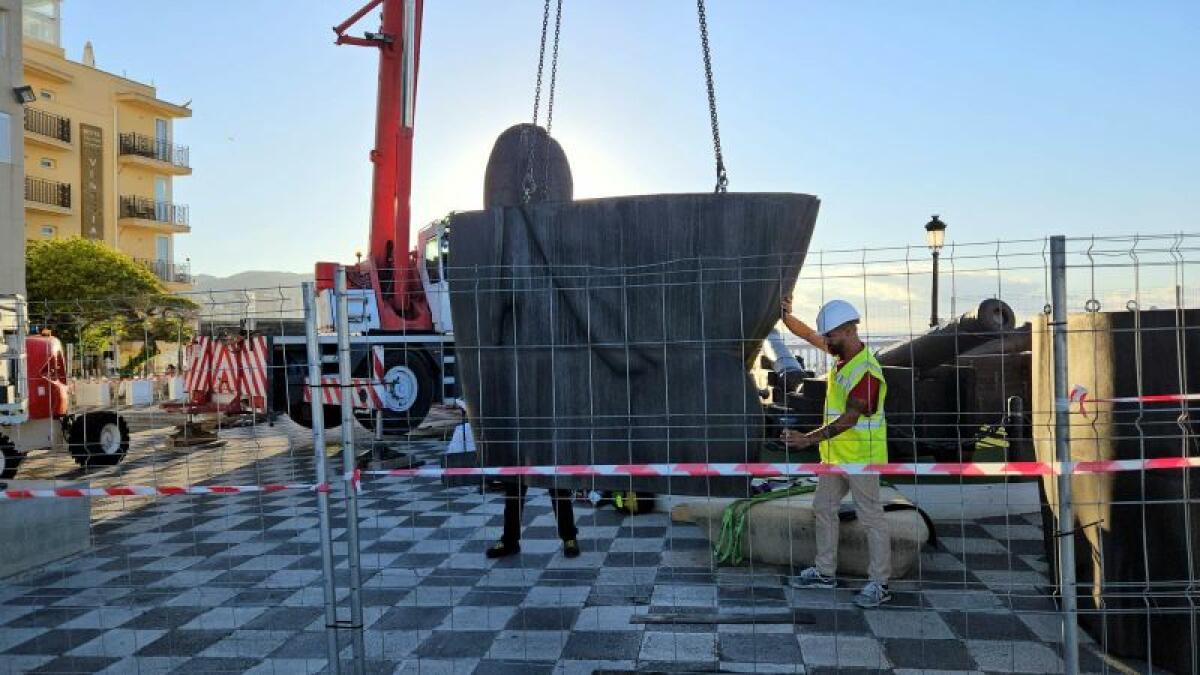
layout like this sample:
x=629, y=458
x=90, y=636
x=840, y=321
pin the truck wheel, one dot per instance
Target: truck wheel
x=10, y=458
x=409, y=378
x=98, y=439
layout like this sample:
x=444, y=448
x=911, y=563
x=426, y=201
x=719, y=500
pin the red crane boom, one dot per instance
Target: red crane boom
x=390, y=268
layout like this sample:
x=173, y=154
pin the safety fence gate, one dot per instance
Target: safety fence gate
x=566, y=485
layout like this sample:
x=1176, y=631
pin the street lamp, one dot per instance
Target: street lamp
x=24, y=94
x=935, y=237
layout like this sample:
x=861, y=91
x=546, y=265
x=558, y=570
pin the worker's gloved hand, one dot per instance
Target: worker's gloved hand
x=785, y=305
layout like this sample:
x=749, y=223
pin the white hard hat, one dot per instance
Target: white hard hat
x=833, y=314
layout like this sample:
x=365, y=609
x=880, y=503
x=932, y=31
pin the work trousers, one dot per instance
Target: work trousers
x=827, y=500
x=514, y=505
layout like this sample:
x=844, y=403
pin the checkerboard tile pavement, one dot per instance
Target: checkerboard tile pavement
x=231, y=583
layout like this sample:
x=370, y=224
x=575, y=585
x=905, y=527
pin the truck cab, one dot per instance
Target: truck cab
x=433, y=257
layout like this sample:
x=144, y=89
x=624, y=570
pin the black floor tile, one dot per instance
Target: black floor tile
x=183, y=643
x=944, y=654
x=164, y=618
x=759, y=647
x=988, y=626
x=456, y=644
x=603, y=645
x=543, y=618
x=76, y=664
x=48, y=617
x=412, y=618
x=284, y=618
x=55, y=642
x=305, y=645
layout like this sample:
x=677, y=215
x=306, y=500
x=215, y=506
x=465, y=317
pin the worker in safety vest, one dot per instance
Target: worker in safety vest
x=854, y=432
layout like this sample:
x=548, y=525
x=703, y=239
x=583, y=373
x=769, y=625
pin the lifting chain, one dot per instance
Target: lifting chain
x=529, y=186
x=722, y=176
x=553, y=68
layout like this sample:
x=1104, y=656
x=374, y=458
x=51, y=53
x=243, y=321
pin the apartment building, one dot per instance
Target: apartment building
x=99, y=152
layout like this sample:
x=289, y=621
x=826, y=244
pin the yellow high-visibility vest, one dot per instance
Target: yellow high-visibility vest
x=866, y=441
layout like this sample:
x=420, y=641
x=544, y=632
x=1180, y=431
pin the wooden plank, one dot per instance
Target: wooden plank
x=684, y=618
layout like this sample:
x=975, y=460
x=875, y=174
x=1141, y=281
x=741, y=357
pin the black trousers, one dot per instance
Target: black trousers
x=514, y=505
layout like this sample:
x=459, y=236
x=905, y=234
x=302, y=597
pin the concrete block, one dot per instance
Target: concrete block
x=781, y=532
x=34, y=532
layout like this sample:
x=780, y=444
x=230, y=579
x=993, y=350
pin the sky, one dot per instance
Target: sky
x=1009, y=119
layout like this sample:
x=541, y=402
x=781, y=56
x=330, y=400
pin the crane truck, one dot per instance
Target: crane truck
x=399, y=316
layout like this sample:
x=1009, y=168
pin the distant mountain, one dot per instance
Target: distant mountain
x=250, y=280
x=257, y=294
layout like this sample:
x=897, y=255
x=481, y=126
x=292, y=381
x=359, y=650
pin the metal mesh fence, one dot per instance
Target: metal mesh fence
x=662, y=524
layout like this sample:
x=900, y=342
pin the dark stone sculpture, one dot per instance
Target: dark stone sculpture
x=621, y=330
x=504, y=181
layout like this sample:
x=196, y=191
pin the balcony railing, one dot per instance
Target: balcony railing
x=149, y=209
x=48, y=124
x=154, y=148
x=48, y=192
x=169, y=271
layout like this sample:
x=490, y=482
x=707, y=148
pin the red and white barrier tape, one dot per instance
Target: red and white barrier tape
x=756, y=470
x=1079, y=394
x=154, y=491
x=763, y=470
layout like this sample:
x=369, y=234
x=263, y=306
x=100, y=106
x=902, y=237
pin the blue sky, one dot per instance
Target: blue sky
x=1011, y=119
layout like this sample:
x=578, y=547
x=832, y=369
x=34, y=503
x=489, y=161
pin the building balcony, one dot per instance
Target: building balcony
x=47, y=196
x=155, y=154
x=48, y=129
x=167, y=271
x=162, y=216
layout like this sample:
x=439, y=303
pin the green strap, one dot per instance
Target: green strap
x=733, y=522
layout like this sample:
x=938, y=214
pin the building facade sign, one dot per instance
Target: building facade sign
x=91, y=203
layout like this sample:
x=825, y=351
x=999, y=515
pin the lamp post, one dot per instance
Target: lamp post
x=935, y=237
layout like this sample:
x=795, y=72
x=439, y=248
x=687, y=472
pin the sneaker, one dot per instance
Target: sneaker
x=501, y=550
x=570, y=548
x=873, y=594
x=812, y=578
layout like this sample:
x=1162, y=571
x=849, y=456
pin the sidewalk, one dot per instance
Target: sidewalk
x=232, y=583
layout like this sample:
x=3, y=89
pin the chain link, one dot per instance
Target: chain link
x=550, y=100
x=722, y=175
x=553, y=68
x=530, y=185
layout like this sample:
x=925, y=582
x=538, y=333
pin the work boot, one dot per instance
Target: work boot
x=873, y=594
x=570, y=548
x=812, y=578
x=502, y=549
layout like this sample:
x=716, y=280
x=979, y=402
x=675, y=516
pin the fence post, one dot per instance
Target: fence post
x=318, y=431
x=349, y=461
x=1062, y=444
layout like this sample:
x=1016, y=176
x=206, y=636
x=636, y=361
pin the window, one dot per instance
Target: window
x=48, y=231
x=46, y=95
x=162, y=198
x=433, y=252
x=40, y=20
x=5, y=138
x=3, y=33
x=162, y=131
x=47, y=163
x=162, y=248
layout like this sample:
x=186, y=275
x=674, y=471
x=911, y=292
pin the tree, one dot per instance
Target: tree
x=90, y=294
